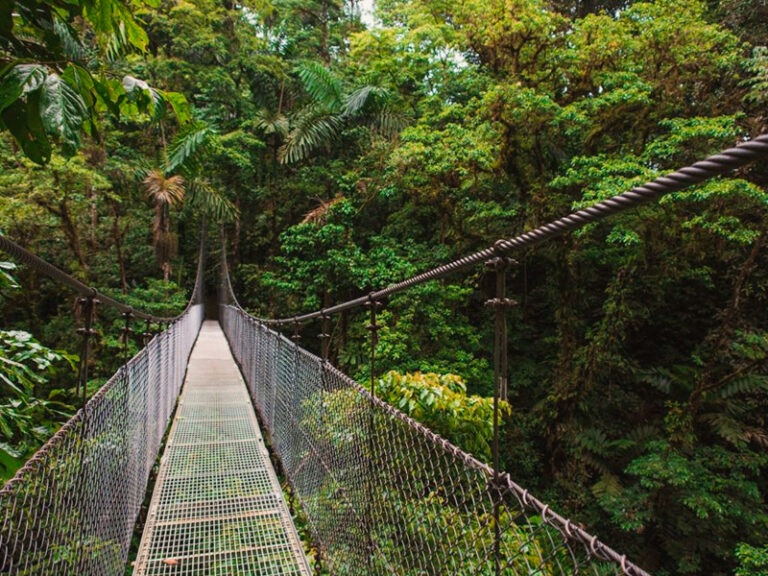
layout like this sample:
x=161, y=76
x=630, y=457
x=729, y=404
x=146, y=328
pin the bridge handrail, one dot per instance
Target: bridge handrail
x=34, y=261
x=715, y=165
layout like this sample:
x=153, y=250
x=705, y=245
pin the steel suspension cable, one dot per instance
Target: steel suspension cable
x=716, y=165
x=23, y=255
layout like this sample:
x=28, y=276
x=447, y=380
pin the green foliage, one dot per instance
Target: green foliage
x=53, y=79
x=27, y=420
x=6, y=279
x=752, y=561
x=440, y=402
x=345, y=159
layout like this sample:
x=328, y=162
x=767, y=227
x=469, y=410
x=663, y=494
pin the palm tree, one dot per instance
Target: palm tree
x=168, y=190
x=165, y=193
x=333, y=109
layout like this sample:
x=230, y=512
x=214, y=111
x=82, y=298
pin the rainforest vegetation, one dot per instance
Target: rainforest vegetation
x=338, y=153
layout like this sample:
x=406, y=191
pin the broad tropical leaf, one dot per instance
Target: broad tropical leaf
x=19, y=80
x=62, y=111
x=23, y=121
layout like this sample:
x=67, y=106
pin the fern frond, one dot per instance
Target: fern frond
x=592, y=440
x=657, y=379
x=748, y=384
x=608, y=486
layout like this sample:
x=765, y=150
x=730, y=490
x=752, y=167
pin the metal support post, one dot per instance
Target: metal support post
x=373, y=306
x=127, y=331
x=88, y=308
x=499, y=303
x=147, y=334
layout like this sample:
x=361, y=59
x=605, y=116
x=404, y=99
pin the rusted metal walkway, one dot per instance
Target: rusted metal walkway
x=217, y=507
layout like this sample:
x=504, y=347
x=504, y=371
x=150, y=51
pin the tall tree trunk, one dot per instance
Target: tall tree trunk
x=117, y=237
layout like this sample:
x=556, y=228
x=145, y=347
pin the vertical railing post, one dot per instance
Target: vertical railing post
x=88, y=307
x=325, y=336
x=146, y=336
x=373, y=306
x=499, y=303
x=127, y=316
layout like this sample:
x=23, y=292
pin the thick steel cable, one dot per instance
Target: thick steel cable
x=716, y=165
x=23, y=255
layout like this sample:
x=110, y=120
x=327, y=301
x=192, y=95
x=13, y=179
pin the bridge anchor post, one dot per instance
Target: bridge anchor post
x=500, y=303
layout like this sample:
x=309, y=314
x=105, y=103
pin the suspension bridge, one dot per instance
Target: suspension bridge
x=379, y=492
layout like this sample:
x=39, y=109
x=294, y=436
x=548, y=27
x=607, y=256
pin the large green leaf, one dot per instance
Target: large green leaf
x=81, y=81
x=109, y=92
x=23, y=121
x=180, y=106
x=62, y=111
x=19, y=80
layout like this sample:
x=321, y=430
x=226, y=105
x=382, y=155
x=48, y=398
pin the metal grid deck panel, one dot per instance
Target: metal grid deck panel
x=217, y=508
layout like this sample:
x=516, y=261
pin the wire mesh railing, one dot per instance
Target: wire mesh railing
x=383, y=492
x=385, y=495
x=72, y=508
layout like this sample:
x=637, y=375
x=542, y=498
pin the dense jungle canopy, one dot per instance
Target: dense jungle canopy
x=338, y=156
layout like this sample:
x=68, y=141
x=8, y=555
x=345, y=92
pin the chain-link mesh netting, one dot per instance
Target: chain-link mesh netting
x=384, y=495
x=72, y=508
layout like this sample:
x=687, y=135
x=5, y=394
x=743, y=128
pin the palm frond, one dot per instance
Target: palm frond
x=319, y=215
x=186, y=148
x=324, y=88
x=313, y=128
x=164, y=191
x=367, y=96
x=212, y=202
x=271, y=122
x=389, y=124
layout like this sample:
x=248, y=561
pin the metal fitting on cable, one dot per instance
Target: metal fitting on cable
x=147, y=334
x=325, y=335
x=127, y=331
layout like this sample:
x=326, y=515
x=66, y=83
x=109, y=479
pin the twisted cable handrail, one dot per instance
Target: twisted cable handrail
x=696, y=173
x=716, y=165
x=21, y=254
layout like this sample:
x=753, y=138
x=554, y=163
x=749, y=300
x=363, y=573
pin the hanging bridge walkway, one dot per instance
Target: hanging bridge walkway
x=379, y=493
x=217, y=506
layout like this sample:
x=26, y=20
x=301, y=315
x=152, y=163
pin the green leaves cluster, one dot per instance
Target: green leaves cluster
x=26, y=420
x=441, y=403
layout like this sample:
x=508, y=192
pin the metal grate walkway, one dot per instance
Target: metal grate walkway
x=217, y=508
